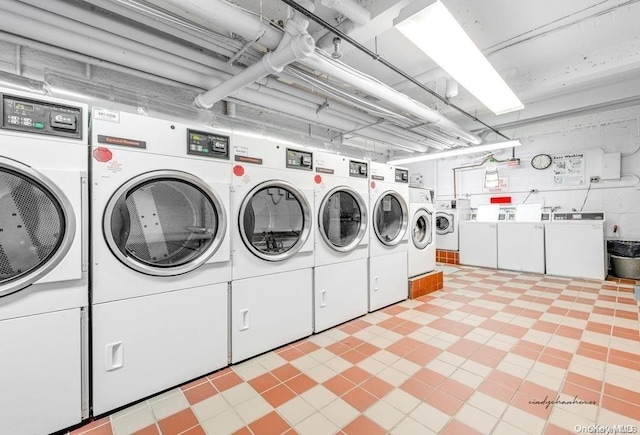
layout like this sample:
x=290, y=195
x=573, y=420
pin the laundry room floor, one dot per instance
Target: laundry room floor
x=494, y=352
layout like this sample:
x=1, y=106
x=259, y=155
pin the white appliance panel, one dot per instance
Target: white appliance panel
x=521, y=246
x=147, y=344
x=387, y=280
x=479, y=244
x=340, y=293
x=576, y=249
x=270, y=311
x=42, y=360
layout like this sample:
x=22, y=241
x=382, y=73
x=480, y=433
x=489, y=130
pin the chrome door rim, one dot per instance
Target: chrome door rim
x=426, y=214
x=448, y=217
x=17, y=284
x=404, y=225
x=166, y=270
x=363, y=218
x=306, y=220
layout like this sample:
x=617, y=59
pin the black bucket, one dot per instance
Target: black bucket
x=625, y=258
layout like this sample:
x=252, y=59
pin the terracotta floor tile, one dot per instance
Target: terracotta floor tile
x=291, y=354
x=285, y=372
x=544, y=326
x=264, y=382
x=194, y=383
x=95, y=425
x=196, y=430
x=556, y=362
x=219, y=373
x=444, y=402
x=620, y=407
x=416, y=388
x=523, y=401
x=226, y=381
x=353, y=356
x=581, y=393
x=488, y=356
x=270, y=424
x=363, y=426
x=590, y=383
x=464, y=347
x=356, y=374
x=456, y=427
x=367, y=349
x=149, y=430
x=422, y=359
x=359, y=399
x=200, y=392
x=623, y=362
x=301, y=383
x=338, y=348
x=278, y=395
x=557, y=353
x=497, y=391
x=552, y=429
x=569, y=332
x=622, y=394
x=179, y=422
x=338, y=385
x=456, y=389
x=244, y=431
x=377, y=387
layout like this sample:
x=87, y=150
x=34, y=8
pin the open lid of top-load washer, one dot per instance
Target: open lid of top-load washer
x=342, y=219
x=37, y=224
x=275, y=220
x=390, y=218
x=164, y=223
x=421, y=226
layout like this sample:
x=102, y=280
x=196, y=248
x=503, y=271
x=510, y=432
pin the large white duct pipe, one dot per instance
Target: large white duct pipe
x=349, y=9
x=297, y=48
x=238, y=20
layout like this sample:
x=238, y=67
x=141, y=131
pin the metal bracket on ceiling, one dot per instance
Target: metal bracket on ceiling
x=323, y=107
x=244, y=48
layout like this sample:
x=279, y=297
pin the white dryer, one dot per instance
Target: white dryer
x=388, y=202
x=342, y=239
x=422, y=246
x=449, y=213
x=161, y=255
x=272, y=243
x=43, y=263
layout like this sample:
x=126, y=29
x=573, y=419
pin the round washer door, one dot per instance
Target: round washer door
x=342, y=219
x=275, y=220
x=421, y=228
x=444, y=223
x=164, y=223
x=37, y=226
x=390, y=218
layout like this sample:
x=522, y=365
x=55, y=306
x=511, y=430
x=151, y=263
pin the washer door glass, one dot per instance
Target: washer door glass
x=275, y=220
x=343, y=219
x=164, y=223
x=421, y=229
x=36, y=226
x=390, y=218
x=444, y=224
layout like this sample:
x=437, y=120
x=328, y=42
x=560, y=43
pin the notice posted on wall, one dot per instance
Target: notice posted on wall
x=503, y=186
x=568, y=169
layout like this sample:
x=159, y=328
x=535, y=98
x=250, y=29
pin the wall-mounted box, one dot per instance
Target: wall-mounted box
x=610, y=166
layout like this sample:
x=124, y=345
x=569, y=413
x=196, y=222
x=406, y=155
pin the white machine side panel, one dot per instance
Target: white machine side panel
x=521, y=246
x=269, y=311
x=340, y=293
x=479, y=244
x=388, y=280
x=576, y=250
x=40, y=373
x=144, y=345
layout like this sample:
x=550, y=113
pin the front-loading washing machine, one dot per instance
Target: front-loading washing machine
x=43, y=263
x=342, y=239
x=449, y=213
x=388, y=202
x=422, y=246
x=161, y=254
x=272, y=245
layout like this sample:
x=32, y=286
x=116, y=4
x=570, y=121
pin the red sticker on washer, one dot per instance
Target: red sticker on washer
x=102, y=154
x=317, y=179
x=238, y=171
x=373, y=184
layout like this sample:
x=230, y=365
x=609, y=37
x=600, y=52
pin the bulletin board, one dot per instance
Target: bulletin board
x=568, y=169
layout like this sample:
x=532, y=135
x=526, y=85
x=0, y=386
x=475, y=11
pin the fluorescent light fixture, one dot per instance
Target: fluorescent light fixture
x=432, y=28
x=458, y=152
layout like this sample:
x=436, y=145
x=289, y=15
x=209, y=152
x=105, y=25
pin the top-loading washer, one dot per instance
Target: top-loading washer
x=161, y=254
x=575, y=245
x=342, y=239
x=449, y=213
x=389, y=205
x=422, y=246
x=272, y=244
x=478, y=238
x=43, y=263
x=521, y=239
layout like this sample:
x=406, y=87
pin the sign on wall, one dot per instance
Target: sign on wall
x=503, y=186
x=568, y=169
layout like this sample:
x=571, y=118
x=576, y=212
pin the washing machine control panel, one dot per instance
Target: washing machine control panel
x=299, y=159
x=358, y=169
x=402, y=176
x=33, y=116
x=206, y=144
x=578, y=216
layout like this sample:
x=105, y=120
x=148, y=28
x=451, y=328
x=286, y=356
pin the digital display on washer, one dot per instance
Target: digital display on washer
x=402, y=176
x=358, y=169
x=299, y=159
x=206, y=144
x=40, y=117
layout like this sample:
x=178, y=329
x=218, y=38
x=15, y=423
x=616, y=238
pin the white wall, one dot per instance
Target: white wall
x=593, y=135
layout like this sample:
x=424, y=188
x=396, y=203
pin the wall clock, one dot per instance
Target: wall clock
x=541, y=161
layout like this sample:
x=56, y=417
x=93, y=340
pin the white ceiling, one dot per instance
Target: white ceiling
x=562, y=58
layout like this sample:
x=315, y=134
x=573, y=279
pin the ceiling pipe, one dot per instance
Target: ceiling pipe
x=236, y=20
x=356, y=16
